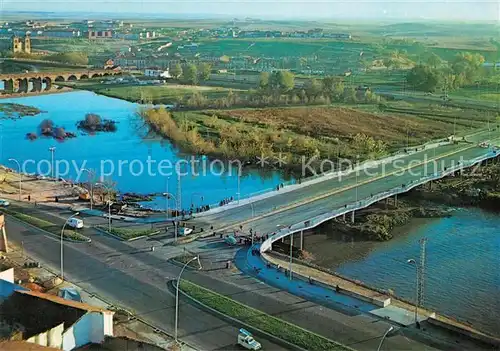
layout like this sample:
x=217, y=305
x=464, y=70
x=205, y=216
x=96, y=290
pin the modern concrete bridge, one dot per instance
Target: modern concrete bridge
x=45, y=81
x=308, y=205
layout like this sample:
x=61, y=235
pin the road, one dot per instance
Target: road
x=300, y=205
x=133, y=277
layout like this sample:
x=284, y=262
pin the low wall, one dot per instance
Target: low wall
x=490, y=340
x=380, y=300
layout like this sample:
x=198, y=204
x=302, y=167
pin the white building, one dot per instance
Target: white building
x=156, y=72
x=51, y=321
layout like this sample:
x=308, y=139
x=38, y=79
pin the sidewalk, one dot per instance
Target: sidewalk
x=327, y=289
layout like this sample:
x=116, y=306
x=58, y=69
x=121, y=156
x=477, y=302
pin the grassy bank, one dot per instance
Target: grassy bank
x=14, y=111
x=331, y=132
x=255, y=318
x=128, y=233
x=46, y=225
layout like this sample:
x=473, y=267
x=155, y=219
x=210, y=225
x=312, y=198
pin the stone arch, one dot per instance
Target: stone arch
x=84, y=76
x=48, y=83
x=36, y=84
x=105, y=74
x=72, y=78
x=59, y=79
x=95, y=75
x=22, y=84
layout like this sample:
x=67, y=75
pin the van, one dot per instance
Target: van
x=75, y=223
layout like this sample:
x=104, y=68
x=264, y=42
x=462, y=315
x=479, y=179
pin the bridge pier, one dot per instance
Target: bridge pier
x=395, y=200
x=352, y=216
x=23, y=85
x=11, y=85
x=37, y=85
x=301, y=240
x=343, y=217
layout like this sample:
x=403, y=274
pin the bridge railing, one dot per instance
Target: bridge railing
x=255, y=196
x=317, y=220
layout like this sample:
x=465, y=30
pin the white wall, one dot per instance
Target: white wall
x=8, y=275
x=90, y=328
x=50, y=338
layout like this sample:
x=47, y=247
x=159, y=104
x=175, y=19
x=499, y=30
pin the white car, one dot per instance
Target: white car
x=4, y=203
x=246, y=340
x=75, y=223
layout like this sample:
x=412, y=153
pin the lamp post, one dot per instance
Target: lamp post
x=167, y=197
x=90, y=185
x=412, y=261
x=108, y=188
x=177, y=293
x=62, y=246
x=239, y=180
x=391, y=328
x=196, y=194
x=253, y=214
x=20, y=175
x=52, y=151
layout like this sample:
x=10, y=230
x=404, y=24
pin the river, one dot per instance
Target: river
x=104, y=151
x=462, y=271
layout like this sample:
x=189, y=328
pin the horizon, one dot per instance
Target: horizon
x=394, y=11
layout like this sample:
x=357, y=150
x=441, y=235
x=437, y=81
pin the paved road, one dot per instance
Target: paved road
x=132, y=278
x=265, y=215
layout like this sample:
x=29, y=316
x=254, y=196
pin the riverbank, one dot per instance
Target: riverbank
x=283, y=140
x=36, y=93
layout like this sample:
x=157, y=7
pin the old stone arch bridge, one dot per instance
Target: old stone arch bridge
x=44, y=81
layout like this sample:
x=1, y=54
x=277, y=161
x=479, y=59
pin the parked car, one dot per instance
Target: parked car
x=75, y=223
x=4, y=203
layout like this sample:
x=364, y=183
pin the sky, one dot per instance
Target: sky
x=277, y=9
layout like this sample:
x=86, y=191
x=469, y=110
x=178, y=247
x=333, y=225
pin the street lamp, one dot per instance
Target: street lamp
x=253, y=214
x=91, y=174
x=196, y=194
x=52, y=151
x=62, y=246
x=412, y=261
x=20, y=175
x=177, y=292
x=108, y=188
x=239, y=180
x=391, y=328
x=167, y=197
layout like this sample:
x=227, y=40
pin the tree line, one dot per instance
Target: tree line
x=435, y=74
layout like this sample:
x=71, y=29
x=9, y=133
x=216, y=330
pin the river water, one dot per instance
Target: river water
x=462, y=263
x=104, y=151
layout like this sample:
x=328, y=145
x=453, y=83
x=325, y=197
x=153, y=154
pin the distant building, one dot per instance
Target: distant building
x=156, y=72
x=102, y=34
x=62, y=33
x=21, y=45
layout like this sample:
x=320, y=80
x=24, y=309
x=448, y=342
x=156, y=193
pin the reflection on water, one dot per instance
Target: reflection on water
x=104, y=151
x=462, y=270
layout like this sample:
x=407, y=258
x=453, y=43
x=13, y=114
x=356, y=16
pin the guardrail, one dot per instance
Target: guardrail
x=315, y=221
x=258, y=195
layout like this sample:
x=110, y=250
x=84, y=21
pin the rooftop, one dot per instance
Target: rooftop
x=23, y=346
x=37, y=312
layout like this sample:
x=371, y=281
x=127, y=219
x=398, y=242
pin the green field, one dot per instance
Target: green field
x=158, y=94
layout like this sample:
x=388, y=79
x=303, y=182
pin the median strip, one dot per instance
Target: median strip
x=128, y=234
x=258, y=320
x=46, y=226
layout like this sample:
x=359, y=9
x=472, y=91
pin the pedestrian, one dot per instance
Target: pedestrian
x=35, y=203
x=29, y=198
x=241, y=227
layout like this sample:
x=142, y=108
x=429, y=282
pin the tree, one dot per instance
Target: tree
x=424, y=78
x=350, y=95
x=176, y=70
x=190, y=73
x=264, y=80
x=434, y=60
x=287, y=80
x=313, y=88
x=204, y=70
